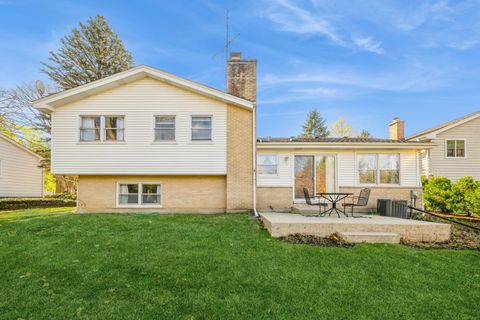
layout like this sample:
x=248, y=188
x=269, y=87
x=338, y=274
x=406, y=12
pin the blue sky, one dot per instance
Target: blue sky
x=367, y=61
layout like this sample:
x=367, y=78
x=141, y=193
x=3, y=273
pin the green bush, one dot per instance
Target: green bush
x=437, y=192
x=68, y=196
x=27, y=203
x=461, y=197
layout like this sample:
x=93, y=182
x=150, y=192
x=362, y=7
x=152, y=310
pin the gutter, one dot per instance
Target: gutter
x=254, y=160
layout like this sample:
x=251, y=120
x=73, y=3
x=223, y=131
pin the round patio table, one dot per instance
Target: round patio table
x=334, y=198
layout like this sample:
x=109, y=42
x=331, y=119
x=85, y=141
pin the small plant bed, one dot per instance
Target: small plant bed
x=461, y=237
x=28, y=203
x=333, y=240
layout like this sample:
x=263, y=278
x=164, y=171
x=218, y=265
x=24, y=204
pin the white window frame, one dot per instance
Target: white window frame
x=377, y=169
x=456, y=139
x=276, y=165
x=140, y=194
x=211, y=128
x=103, y=138
x=155, y=128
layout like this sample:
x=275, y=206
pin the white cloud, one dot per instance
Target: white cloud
x=295, y=19
x=368, y=44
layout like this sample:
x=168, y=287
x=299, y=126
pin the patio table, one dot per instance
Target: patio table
x=334, y=198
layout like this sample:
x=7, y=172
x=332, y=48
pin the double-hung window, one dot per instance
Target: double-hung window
x=202, y=128
x=267, y=164
x=90, y=128
x=139, y=194
x=102, y=128
x=165, y=128
x=378, y=168
x=455, y=148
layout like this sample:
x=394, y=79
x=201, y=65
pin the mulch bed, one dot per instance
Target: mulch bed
x=333, y=240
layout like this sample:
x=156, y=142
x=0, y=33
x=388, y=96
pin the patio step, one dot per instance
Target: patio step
x=371, y=237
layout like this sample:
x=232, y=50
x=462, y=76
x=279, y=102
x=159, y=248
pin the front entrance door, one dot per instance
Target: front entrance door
x=314, y=172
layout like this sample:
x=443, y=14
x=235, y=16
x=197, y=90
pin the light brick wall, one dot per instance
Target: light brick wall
x=275, y=197
x=239, y=159
x=397, y=193
x=180, y=194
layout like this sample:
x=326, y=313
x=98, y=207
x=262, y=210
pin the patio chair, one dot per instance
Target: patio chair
x=360, y=201
x=309, y=201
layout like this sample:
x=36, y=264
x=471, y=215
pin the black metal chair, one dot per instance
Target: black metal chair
x=360, y=201
x=309, y=201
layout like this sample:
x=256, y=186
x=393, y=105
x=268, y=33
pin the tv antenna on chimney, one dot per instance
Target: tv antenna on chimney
x=228, y=41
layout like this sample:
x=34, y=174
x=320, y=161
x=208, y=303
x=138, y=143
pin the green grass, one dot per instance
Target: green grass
x=56, y=265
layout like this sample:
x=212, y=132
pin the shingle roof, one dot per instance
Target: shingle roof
x=331, y=140
x=443, y=125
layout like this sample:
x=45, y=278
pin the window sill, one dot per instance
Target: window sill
x=164, y=142
x=201, y=142
x=100, y=142
x=139, y=207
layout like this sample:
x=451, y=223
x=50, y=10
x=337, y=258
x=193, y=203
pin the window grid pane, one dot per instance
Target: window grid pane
x=90, y=128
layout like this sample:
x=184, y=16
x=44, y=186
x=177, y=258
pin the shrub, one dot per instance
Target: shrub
x=68, y=196
x=437, y=192
x=461, y=198
x=473, y=200
x=27, y=203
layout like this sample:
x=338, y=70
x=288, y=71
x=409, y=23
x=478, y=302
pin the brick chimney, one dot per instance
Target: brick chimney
x=242, y=77
x=397, y=129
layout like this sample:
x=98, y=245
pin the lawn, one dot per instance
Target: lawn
x=59, y=265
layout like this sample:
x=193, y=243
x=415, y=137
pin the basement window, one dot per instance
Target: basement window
x=139, y=195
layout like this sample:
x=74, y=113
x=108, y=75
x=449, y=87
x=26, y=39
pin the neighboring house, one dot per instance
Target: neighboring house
x=21, y=173
x=146, y=140
x=457, y=148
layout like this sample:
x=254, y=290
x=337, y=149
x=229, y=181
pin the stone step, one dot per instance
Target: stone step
x=371, y=237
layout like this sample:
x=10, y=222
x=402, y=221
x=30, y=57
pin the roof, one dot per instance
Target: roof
x=445, y=126
x=344, y=142
x=47, y=104
x=20, y=146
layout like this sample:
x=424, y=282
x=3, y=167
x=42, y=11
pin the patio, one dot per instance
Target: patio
x=361, y=228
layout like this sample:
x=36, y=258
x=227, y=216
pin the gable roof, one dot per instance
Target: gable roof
x=445, y=126
x=20, y=146
x=344, y=142
x=49, y=103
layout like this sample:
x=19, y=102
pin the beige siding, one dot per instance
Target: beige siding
x=455, y=168
x=140, y=101
x=20, y=174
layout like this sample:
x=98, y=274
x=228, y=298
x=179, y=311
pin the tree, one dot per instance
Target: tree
x=341, y=128
x=315, y=126
x=87, y=54
x=364, y=134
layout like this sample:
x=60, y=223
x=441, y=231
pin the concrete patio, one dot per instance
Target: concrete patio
x=361, y=228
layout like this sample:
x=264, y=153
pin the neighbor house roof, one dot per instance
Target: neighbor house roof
x=47, y=104
x=444, y=126
x=20, y=146
x=344, y=142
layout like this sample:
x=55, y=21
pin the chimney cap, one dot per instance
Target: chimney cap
x=395, y=120
x=235, y=55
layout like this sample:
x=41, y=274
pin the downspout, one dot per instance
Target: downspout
x=254, y=160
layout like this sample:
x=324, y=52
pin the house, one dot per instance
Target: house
x=21, y=173
x=147, y=140
x=456, y=151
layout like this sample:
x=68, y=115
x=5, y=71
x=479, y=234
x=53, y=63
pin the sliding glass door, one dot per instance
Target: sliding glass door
x=314, y=172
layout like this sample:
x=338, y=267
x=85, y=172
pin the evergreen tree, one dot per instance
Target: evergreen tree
x=87, y=54
x=315, y=126
x=364, y=134
x=342, y=128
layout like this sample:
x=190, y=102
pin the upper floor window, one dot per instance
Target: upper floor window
x=378, y=168
x=455, y=148
x=90, y=128
x=165, y=128
x=267, y=164
x=102, y=128
x=201, y=128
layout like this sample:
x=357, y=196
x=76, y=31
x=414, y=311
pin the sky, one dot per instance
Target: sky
x=366, y=61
